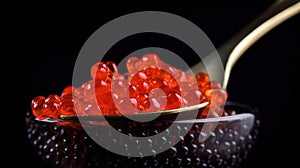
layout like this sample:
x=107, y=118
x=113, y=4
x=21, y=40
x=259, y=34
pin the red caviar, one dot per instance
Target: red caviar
x=149, y=85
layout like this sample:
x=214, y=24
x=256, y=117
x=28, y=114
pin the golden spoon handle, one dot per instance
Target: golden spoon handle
x=255, y=35
x=211, y=63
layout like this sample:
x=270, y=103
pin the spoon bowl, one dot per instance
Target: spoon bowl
x=230, y=52
x=139, y=116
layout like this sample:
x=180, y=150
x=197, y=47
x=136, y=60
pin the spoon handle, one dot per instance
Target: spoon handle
x=232, y=50
x=277, y=6
x=256, y=34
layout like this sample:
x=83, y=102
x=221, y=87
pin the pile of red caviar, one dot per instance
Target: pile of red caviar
x=149, y=85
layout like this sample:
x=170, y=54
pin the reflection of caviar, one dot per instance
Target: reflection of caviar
x=149, y=85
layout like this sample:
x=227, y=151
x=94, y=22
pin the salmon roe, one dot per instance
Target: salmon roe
x=149, y=85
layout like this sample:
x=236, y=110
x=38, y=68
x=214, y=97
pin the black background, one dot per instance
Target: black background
x=261, y=78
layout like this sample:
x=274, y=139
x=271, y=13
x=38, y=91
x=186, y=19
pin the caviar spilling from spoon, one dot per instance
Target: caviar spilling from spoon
x=150, y=85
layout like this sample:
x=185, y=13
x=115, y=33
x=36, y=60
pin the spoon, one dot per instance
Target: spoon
x=234, y=48
x=230, y=52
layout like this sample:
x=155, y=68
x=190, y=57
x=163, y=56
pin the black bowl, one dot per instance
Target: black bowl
x=66, y=143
